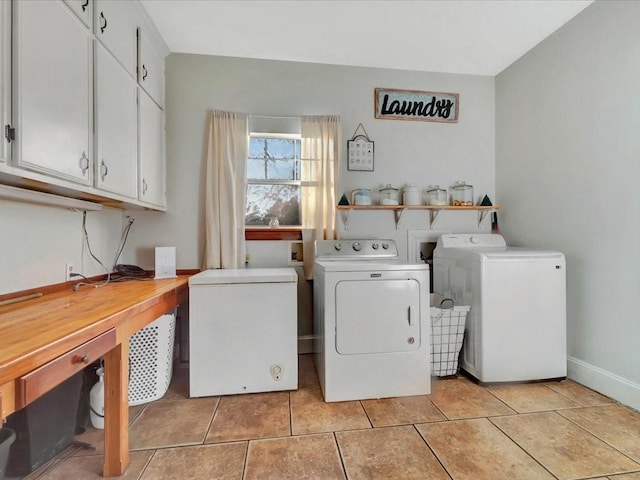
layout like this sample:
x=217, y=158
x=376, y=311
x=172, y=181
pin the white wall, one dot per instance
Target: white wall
x=36, y=242
x=419, y=152
x=423, y=153
x=567, y=167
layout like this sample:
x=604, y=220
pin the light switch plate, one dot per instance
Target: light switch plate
x=165, y=262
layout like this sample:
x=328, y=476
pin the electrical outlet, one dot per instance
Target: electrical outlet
x=69, y=268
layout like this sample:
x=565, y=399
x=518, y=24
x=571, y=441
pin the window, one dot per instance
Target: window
x=273, y=180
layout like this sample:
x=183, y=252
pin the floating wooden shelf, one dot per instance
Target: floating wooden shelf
x=398, y=210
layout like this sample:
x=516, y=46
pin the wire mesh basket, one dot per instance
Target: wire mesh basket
x=151, y=360
x=447, y=333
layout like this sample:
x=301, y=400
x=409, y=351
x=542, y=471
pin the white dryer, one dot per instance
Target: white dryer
x=371, y=321
x=516, y=328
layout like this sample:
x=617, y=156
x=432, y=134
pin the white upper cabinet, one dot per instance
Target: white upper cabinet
x=53, y=102
x=81, y=99
x=150, y=68
x=83, y=9
x=5, y=81
x=152, y=158
x=115, y=26
x=116, y=127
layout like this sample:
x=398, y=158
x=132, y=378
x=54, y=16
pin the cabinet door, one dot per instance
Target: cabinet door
x=53, y=78
x=116, y=126
x=115, y=27
x=150, y=69
x=83, y=10
x=152, y=161
x=5, y=79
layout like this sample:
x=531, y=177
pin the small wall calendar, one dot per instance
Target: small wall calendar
x=360, y=151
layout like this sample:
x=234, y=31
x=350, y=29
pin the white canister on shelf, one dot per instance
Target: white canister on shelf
x=96, y=401
x=410, y=195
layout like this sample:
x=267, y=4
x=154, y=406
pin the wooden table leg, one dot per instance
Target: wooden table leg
x=116, y=410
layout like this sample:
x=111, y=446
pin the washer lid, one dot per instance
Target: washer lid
x=519, y=253
x=244, y=275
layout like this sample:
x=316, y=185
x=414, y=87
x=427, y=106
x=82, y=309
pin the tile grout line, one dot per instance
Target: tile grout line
x=146, y=465
x=337, y=444
x=366, y=414
x=213, y=417
x=601, y=439
x=520, y=446
x=246, y=461
x=290, y=415
x=432, y=451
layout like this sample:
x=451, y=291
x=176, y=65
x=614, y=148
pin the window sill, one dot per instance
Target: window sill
x=257, y=233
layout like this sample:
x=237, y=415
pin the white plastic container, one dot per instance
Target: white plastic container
x=96, y=401
x=410, y=195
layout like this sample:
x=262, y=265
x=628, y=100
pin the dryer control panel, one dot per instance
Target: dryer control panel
x=471, y=240
x=349, y=249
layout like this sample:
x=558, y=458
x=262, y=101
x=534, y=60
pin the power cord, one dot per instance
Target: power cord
x=123, y=240
x=85, y=241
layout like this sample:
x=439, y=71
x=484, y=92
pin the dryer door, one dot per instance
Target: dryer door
x=377, y=316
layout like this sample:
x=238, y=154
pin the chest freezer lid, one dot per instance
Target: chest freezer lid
x=244, y=275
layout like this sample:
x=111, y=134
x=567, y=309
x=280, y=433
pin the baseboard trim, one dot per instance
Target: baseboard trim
x=305, y=344
x=614, y=386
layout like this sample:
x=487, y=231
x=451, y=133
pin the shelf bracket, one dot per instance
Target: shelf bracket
x=398, y=214
x=345, y=218
x=433, y=215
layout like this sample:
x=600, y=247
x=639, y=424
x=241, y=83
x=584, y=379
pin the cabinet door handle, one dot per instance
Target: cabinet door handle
x=104, y=170
x=144, y=186
x=144, y=72
x=103, y=27
x=84, y=5
x=84, y=163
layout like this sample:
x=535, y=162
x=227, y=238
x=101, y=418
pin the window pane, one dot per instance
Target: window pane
x=269, y=169
x=281, y=147
x=267, y=201
x=257, y=146
x=278, y=148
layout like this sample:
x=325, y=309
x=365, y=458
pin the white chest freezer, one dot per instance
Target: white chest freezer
x=243, y=331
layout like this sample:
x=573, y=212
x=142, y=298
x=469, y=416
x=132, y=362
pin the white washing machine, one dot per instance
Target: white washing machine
x=243, y=326
x=371, y=321
x=516, y=328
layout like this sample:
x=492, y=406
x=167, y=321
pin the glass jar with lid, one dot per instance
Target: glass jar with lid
x=436, y=196
x=388, y=195
x=462, y=195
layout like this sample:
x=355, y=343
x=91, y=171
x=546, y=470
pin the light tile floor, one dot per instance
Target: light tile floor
x=552, y=430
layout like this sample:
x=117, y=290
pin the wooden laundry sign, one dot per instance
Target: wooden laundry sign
x=416, y=105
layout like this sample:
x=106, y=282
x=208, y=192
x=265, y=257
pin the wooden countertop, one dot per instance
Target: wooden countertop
x=36, y=331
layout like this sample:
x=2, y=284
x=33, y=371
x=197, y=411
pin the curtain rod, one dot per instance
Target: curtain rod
x=293, y=117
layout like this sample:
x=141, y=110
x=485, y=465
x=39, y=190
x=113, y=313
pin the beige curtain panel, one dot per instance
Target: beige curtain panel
x=225, y=171
x=321, y=148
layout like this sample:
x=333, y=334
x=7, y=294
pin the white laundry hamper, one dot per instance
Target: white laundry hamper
x=447, y=334
x=151, y=360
